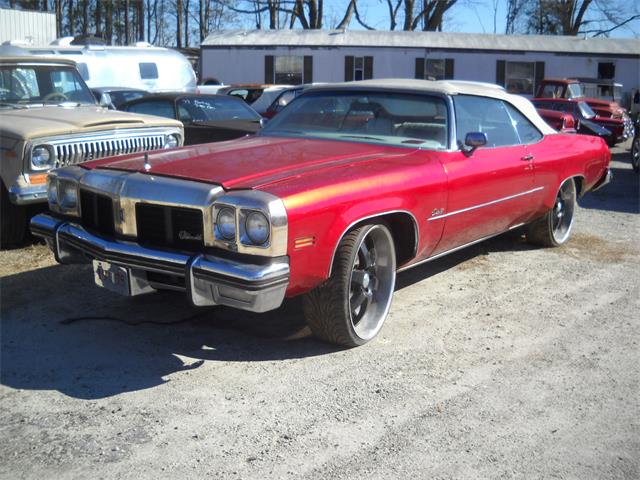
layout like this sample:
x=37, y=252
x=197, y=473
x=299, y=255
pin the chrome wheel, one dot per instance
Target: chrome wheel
x=372, y=282
x=351, y=306
x=562, y=214
x=554, y=228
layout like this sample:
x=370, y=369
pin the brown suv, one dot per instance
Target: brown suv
x=50, y=119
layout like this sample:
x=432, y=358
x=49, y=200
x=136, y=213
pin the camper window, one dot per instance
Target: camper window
x=148, y=71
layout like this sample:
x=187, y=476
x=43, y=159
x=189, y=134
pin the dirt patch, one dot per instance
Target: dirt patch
x=25, y=259
x=594, y=248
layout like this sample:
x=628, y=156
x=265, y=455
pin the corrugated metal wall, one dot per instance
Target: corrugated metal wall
x=39, y=28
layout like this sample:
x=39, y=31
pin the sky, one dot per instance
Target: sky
x=471, y=16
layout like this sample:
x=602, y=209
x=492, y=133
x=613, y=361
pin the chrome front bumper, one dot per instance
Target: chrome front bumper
x=207, y=279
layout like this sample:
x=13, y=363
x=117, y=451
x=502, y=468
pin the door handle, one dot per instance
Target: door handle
x=527, y=158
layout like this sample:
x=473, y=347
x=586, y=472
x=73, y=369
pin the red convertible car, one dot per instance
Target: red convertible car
x=348, y=185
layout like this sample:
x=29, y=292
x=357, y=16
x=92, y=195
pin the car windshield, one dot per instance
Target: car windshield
x=586, y=110
x=380, y=117
x=574, y=90
x=42, y=84
x=203, y=109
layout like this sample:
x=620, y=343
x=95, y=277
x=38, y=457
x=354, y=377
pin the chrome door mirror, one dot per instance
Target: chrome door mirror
x=472, y=141
x=263, y=121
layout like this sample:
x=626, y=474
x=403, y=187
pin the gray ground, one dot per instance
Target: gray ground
x=502, y=361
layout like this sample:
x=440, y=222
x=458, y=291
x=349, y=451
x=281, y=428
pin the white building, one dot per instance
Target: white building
x=27, y=28
x=516, y=61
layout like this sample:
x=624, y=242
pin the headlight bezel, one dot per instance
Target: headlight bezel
x=50, y=162
x=244, y=204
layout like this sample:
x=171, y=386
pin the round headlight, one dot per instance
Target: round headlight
x=226, y=222
x=41, y=158
x=171, y=141
x=257, y=227
x=68, y=194
x=52, y=190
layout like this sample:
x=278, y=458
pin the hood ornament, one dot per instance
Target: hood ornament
x=147, y=165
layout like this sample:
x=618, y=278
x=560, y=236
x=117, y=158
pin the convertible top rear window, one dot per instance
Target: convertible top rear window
x=388, y=117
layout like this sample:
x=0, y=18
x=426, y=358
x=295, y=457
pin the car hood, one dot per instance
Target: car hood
x=250, y=162
x=37, y=122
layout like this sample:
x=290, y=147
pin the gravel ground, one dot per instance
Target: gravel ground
x=500, y=361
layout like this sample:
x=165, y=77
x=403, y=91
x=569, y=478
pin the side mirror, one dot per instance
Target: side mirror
x=472, y=141
x=263, y=122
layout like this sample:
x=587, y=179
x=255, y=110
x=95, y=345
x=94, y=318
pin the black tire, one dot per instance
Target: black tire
x=554, y=228
x=350, y=308
x=13, y=222
x=635, y=154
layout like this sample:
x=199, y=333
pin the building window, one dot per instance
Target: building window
x=519, y=77
x=358, y=68
x=606, y=70
x=434, y=68
x=288, y=69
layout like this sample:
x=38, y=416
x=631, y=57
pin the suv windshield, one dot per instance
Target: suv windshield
x=42, y=84
x=386, y=117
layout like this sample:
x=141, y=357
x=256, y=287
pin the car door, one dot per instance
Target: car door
x=491, y=189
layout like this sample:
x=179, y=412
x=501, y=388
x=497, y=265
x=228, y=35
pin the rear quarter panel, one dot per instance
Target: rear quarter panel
x=563, y=156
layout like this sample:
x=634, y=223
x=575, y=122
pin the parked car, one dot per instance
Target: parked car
x=206, y=118
x=114, y=97
x=210, y=86
x=284, y=98
x=570, y=88
x=50, y=119
x=559, y=121
x=259, y=96
x=346, y=186
x=582, y=112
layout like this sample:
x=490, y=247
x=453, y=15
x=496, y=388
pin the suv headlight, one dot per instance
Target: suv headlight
x=171, y=141
x=42, y=157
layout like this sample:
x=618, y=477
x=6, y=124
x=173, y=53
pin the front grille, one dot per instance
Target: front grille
x=174, y=227
x=97, y=212
x=78, y=151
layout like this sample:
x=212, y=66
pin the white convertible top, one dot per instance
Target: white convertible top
x=447, y=87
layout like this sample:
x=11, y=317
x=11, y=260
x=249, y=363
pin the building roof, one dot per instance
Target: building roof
x=427, y=40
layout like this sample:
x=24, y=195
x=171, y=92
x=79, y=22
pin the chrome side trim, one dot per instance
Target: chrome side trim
x=413, y=218
x=605, y=179
x=487, y=204
x=442, y=254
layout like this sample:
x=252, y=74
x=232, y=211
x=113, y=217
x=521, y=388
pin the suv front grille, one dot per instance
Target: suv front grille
x=97, y=212
x=78, y=151
x=174, y=227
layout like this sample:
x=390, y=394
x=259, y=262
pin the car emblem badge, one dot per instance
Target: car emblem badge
x=147, y=165
x=437, y=211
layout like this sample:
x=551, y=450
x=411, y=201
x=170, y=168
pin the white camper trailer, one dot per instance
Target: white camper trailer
x=142, y=66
